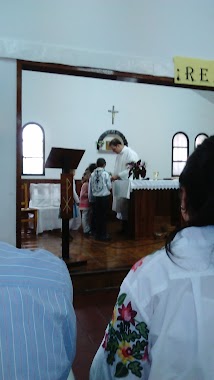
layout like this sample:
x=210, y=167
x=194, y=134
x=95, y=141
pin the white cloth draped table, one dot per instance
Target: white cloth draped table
x=123, y=188
x=143, y=204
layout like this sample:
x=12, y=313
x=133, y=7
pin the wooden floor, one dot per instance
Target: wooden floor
x=93, y=312
x=107, y=263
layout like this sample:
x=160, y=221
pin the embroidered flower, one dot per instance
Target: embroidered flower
x=126, y=340
x=137, y=265
x=125, y=352
x=114, y=316
x=145, y=356
x=127, y=314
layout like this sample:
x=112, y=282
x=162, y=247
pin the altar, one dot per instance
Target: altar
x=149, y=201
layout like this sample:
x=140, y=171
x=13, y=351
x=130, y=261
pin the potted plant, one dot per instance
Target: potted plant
x=137, y=169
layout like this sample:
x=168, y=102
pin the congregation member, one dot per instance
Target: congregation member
x=162, y=323
x=125, y=155
x=91, y=199
x=75, y=221
x=84, y=205
x=37, y=318
x=99, y=188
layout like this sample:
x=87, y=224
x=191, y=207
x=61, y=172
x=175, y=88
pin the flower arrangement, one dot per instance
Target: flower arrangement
x=137, y=169
x=99, y=143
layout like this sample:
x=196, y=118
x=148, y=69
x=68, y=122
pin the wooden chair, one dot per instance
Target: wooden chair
x=29, y=216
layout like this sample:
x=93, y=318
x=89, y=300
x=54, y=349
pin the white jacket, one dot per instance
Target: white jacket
x=163, y=322
x=99, y=183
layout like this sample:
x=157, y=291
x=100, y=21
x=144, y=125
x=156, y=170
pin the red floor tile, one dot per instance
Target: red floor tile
x=93, y=311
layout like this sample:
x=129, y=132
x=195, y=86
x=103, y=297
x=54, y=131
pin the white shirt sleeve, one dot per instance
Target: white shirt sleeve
x=123, y=351
x=75, y=195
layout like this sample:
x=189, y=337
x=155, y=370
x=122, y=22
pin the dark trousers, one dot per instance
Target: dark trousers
x=93, y=217
x=101, y=210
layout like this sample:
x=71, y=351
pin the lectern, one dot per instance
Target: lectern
x=65, y=159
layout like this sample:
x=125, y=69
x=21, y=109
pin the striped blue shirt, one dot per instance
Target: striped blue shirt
x=37, y=319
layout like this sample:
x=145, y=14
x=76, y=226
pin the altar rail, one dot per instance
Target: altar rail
x=44, y=195
x=34, y=180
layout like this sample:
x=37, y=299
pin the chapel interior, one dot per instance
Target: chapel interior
x=86, y=77
x=98, y=268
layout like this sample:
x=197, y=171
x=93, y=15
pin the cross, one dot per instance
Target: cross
x=113, y=112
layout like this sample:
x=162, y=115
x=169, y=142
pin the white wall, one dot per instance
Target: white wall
x=74, y=113
x=139, y=36
x=8, y=151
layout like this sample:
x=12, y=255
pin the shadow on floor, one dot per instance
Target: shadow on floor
x=93, y=312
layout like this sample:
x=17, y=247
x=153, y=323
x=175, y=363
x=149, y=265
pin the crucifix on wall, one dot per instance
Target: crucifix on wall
x=113, y=112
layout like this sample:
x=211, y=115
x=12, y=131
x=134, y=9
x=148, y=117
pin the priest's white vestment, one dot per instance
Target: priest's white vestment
x=123, y=158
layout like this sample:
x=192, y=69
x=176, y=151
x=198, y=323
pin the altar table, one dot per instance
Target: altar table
x=149, y=199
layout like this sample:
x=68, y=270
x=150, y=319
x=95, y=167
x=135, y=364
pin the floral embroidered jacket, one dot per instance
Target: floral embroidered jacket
x=162, y=323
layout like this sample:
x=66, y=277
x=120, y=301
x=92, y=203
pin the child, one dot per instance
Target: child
x=91, y=168
x=84, y=204
x=99, y=187
x=75, y=222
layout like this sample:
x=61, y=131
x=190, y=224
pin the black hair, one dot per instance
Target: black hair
x=197, y=178
x=91, y=167
x=115, y=142
x=101, y=162
x=86, y=173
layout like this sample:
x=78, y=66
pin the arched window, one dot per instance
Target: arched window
x=180, y=152
x=33, y=149
x=200, y=138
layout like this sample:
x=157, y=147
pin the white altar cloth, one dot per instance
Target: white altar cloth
x=123, y=188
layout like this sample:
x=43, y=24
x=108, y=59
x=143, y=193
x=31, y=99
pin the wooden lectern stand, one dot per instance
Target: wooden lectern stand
x=65, y=159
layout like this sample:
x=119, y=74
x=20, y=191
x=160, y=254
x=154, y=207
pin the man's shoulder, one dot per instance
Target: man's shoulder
x=24, y=266
x=129, y=151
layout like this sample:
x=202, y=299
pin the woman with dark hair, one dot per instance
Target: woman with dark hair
x=162, y=324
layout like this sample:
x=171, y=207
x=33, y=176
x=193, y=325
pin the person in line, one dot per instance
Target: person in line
x=75, y=222
x=91, y=199
x=84, y=205
x=99, y=188
x=162, y=324
x=124, y=156
x=37, y=319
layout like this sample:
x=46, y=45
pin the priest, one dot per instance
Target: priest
x=121, y=171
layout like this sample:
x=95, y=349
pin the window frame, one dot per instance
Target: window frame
x=173, y=146
x=199, y=134
x=43, y=150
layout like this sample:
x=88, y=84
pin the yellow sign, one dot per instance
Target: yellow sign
x=194, y=72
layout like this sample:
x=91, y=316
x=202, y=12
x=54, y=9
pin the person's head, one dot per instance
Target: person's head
x=197, y=189
x=101, y=163
x=86, y=176
x=197, y=186
x=91, y=167
x=116, y=145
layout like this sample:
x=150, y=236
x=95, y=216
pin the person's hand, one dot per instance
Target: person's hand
x=114, y=178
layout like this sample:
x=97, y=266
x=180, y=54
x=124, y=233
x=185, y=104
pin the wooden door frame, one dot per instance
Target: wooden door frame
x=88, y=72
